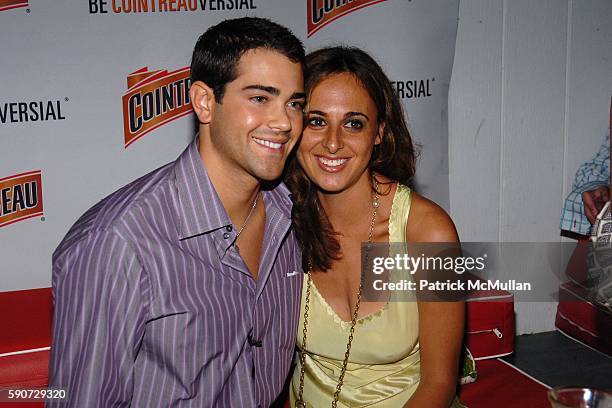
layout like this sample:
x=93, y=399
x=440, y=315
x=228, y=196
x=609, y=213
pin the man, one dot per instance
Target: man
x=590, y=266
x=590, y=191
x=179, y=289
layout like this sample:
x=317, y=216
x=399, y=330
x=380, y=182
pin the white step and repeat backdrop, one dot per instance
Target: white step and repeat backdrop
x=93, y=95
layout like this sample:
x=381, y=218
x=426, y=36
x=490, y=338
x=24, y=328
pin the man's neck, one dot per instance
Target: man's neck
x=236, y=189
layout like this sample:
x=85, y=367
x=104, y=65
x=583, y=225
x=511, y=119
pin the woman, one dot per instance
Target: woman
x=348, y=179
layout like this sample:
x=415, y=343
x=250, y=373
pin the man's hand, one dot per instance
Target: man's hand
x=594, y=200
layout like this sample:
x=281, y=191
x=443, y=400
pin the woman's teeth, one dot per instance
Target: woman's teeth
x=332, y=163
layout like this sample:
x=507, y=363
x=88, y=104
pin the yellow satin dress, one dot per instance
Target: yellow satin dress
x=384, y=364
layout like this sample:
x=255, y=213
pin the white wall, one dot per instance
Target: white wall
x=529, y=102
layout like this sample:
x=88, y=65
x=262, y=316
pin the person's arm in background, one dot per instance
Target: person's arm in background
x=98, y=322
x=594, y=200
x=591, y=185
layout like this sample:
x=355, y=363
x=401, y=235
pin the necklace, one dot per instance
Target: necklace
x=299, y=403
x=246, y=220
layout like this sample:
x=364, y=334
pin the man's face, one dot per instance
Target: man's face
x=260, y=117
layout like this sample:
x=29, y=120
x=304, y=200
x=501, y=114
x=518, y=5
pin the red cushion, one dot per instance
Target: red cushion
x=490, y=323
x=583, y=320
x=26, y=324
x=22, y=405
x=25, y=319
x=500, y=385
x=28, y=369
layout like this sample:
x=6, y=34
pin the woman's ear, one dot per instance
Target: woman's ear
x=203, y=101
x=379, y=135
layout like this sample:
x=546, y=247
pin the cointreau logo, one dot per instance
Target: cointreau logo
x=322, y=12
x=11, y=4
x=20, y=197
x=153, y=99
x=167, y=6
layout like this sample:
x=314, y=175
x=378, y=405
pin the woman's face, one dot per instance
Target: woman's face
x=340, y=131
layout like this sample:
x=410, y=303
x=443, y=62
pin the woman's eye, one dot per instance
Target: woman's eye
x=354, y=124
x=315, y=122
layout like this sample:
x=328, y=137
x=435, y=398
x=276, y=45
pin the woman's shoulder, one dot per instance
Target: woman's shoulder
x=428, y=222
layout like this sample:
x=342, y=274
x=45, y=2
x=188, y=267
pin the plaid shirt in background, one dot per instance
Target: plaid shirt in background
x=589, y=176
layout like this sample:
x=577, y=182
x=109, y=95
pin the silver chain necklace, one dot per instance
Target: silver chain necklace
x=246, y=221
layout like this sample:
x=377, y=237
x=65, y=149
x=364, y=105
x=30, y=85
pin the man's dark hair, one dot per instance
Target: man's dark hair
x=218, y=50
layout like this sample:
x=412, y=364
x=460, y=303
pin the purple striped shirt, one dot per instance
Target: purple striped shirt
x=155, y=308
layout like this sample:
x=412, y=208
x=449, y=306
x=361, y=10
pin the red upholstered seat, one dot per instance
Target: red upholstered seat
x=582, y=320
x=501, y=385
x=28, y=369
x=26, y=322
x=577, y=316
x=490, y=323
x=25, y=319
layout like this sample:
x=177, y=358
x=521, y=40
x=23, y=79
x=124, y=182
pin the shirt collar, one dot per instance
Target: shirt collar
x=199, y=208
x=279, y=196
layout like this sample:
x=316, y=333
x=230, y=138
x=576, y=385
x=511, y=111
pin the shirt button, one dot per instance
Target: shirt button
x=228, y=228
x=226, y=235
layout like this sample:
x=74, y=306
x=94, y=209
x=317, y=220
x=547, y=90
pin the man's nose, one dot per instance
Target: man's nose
x=280, y=120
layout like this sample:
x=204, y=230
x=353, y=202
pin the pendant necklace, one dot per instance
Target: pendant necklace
x=246, y=221
x=300, y=403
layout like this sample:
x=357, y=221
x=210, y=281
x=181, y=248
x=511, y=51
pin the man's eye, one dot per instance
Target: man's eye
x=316, y=122
x=298, y=105
x=259, y=99
x=354, y=124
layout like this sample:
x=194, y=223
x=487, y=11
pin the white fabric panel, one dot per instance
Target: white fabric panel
x=77, y=58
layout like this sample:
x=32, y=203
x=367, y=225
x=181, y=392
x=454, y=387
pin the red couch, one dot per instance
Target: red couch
x=25, y=319
x=24, y=352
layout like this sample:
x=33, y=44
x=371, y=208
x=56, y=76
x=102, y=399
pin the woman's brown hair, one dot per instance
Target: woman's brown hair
x=393, y=158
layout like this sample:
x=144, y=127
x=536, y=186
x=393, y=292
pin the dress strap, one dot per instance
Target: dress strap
x=399, y=214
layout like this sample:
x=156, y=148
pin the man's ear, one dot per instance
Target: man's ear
x=203, y=101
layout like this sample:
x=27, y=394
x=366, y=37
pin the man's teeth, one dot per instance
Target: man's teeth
x=267, y=143
x=332, y=163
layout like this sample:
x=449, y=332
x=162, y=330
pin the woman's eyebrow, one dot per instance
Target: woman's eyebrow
x=316, y=112
x=346, y=115
x=349, y=114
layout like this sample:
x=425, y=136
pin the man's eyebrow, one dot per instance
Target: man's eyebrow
x=298, y=95
x=274, y=91
x=269, y=89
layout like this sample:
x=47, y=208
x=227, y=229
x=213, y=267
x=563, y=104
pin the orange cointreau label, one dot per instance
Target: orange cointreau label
x=153, y=99
x=20, y=197
x=322, y=12
x=11, y=4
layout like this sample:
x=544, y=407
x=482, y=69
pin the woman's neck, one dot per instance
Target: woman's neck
x=342, y=208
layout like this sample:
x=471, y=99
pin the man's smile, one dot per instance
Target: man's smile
x=268, y=143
